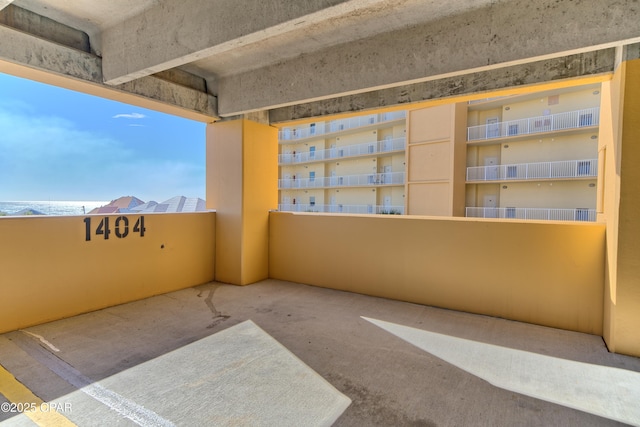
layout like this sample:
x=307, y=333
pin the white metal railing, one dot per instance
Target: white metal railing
x=579, y=214
x=338, y=208
x=320, y=128
x=549, y=123
x=367, y=148
x=522, y=171
x=374, y=179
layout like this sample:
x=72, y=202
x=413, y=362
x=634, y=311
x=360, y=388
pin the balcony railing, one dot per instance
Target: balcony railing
x=315, y=129
x=351, y=209
x=542, y=170
x=550, y=214
x=375, y=179
x=367, y=148
x=550, y=123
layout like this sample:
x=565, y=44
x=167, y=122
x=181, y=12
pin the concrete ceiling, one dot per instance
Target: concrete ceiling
x=317, y=25
x=90, y=16
x=261, y=55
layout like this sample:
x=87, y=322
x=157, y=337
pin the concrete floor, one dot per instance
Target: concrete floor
x=165, y=355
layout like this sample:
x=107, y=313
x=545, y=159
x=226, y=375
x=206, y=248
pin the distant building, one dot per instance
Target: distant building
x=130, y=204
x=147, y=207
x=174, y=204
x=120, y=205
x=353, y=165
x=534, y=156
x=530, y=156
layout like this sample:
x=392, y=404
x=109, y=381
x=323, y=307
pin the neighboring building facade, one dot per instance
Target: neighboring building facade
x=535, y=156
x=528, y=157
x=353, y=165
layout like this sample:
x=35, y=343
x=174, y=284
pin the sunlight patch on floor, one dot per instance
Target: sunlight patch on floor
x=604, y=391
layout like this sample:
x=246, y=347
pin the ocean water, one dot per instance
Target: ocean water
x=52, y=207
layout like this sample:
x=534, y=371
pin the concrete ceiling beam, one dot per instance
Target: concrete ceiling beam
x=31, y=57
x=5, y=3
x=172, y=34
x=45, y=28
x=588, y=64
x=507, y=33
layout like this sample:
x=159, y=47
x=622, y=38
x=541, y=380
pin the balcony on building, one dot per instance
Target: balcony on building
x=362, y=180
x=545, y=214
x=356, y=150
x=568, y=169
x=342, y=208
x=314, y=130
x=560, y=122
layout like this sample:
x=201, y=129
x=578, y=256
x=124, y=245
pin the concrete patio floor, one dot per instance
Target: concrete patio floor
x=278, y=353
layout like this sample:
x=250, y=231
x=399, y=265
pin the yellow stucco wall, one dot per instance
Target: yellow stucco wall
x=477, y=194
x=542, y=194
x=259, y=195
x=354, y=196
x=356, y=138
x=477, y=155
x=242, y=179
x=550, y=149
x=224, y=194
x=620, y=151
x=480, y=117
x=628, y=280
x=609, y=194
x=361, y=166
x=580, y=99
x=49, y=270
x=436, y=160
x=429, y=198
x=539, y=272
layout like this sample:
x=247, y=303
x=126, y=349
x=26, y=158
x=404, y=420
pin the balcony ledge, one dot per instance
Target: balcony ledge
x=505, y=180
x=530, y=136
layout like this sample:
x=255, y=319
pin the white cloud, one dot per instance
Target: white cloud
x=129, y=116
x=48, y=157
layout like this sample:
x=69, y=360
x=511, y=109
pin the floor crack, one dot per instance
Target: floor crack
x=217, y=315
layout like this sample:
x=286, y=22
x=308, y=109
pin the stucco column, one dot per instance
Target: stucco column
x=620, y=152
x=242, y=186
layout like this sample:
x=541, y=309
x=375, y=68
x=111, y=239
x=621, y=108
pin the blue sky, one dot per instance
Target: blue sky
x=57, y=144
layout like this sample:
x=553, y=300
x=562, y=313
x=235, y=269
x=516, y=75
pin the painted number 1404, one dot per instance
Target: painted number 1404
x=120, y=227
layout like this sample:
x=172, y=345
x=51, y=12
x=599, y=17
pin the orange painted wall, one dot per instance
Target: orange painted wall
x=547, y=273
x=620, y=203
x=242, y=186
x=49, y=271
